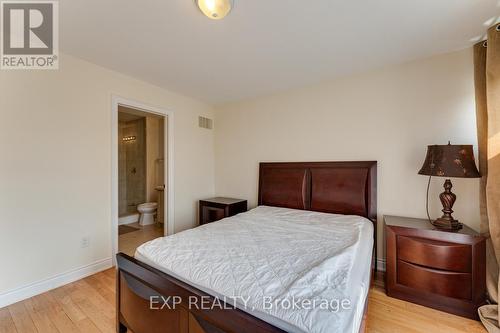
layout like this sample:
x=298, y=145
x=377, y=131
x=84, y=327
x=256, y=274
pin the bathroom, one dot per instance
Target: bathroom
x=141, y=178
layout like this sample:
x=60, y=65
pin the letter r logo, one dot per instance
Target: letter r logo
x=27, y=28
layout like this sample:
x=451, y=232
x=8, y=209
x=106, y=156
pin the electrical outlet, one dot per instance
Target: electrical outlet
x=85, y=242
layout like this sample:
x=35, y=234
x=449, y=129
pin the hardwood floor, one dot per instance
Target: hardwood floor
x=88, y=306
x=391, y=315
x=127, y=243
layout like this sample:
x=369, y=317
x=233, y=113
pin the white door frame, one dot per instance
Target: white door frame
x=169, y=165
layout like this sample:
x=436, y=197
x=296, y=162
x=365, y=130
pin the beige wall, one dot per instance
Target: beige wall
x=55, y=173
x=388, y=115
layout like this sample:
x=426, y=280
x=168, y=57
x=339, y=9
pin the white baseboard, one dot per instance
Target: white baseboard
x=56, y=281
x=128, y=219
x=381, y=265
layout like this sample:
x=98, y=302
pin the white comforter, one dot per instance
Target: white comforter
x=270, y=255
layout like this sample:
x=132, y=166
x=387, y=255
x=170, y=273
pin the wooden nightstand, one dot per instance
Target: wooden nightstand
x=214, y=209
x=439, y=269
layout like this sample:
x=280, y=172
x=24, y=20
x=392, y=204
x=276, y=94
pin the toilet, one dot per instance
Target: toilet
x=147, y=213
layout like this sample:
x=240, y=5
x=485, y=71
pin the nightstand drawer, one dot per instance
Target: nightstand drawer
x=450, y=284
x=212, y=214
x=215, y=209
x=435, y=254
x=439, y=269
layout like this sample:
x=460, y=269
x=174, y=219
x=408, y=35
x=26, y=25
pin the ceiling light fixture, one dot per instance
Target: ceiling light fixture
x=215, y=9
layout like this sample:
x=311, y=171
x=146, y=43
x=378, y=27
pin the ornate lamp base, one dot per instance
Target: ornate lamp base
x=447, y=222
x=444, y=224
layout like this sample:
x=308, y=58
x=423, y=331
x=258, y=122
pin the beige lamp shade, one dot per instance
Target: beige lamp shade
x=215, y=9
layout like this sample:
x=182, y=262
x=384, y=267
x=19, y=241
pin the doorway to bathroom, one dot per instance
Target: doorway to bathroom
x=141, y=174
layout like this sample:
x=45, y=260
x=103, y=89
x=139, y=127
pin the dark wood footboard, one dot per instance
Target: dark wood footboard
x=170, y=311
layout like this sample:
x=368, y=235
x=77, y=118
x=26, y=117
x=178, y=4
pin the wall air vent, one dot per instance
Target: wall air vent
x=205, y=122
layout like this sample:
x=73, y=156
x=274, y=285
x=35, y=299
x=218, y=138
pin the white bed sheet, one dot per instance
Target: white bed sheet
x=269, y=254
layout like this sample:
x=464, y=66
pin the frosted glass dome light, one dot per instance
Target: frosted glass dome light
x=215, y=9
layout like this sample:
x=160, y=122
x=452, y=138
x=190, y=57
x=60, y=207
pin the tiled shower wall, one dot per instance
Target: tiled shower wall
x=131, y=166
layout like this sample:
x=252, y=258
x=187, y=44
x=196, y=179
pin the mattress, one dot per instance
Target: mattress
x=301, y=271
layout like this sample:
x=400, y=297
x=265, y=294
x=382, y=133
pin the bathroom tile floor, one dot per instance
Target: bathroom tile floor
x=127, y=243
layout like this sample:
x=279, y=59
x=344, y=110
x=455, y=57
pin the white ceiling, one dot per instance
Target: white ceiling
x=264, y=46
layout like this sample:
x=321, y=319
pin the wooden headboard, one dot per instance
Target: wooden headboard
x=332, y=187
x=348, y=188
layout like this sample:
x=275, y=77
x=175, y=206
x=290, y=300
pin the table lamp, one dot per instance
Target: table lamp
x=448, y=161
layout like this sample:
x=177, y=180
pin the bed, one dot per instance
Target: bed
x=310, y=239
